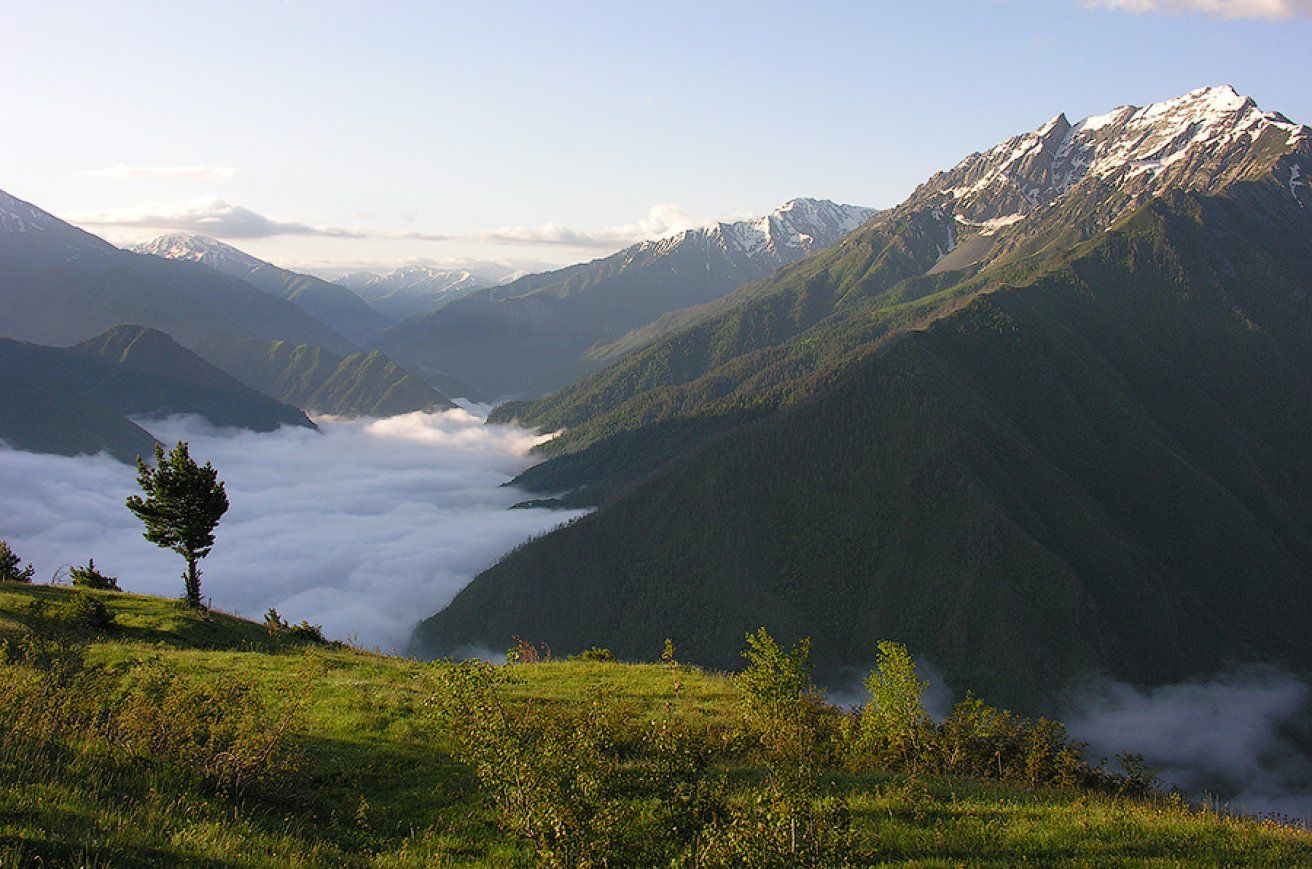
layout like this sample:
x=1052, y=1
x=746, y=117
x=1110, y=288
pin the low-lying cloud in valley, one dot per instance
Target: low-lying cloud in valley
x=1243, y=738
x=365, y=527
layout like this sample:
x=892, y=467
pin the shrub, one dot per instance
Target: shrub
x=220, y=729
x=89, y=577
x=524, y=652
x=596, y=653
x=276, y=626
x=11, y=567
x=81, y=611
x=894, y=724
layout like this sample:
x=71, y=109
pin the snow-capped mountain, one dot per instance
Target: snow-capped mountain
x=1201, y=141
x=334, y=305
x=417, y=289
x=531, y=335
x=37, y=238
x=792, y=230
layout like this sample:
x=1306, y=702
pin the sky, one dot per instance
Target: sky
x=322, y=134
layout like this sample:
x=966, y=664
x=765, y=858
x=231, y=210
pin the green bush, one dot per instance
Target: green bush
x=81, y=611
x=89, y=577
x=596, y=653
x=11, y=568
x=277, y=626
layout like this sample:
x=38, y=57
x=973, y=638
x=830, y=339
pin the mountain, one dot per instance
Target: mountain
x=411, y=291
x=1082, y=450
x=75, y=399
x=533, y=334
x=330, y=304
x=361, y=384
x=60, y=285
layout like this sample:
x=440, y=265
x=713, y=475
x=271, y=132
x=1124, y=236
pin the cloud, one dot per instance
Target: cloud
x=364, y=528
x=123, y=172
x=1239, y=736
x=1270, y=10
x=210, y=216
x=661, y=220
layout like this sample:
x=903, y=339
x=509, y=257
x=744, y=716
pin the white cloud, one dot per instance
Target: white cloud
x=365, y=528
x=662, y=220
x=221, y=219
x=122, y=172
x=1271, y=10
x=1233, y=735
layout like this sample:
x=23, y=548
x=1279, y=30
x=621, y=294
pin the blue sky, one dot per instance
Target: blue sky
x=352, y=133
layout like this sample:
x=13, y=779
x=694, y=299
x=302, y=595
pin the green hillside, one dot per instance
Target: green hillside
x=1076, y=472
x=352, y=765
x=367, y=383
x=72, y=400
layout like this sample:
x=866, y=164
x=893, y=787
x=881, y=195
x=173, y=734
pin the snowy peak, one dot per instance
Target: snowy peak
x=34, y=237
x=794, y=229
x=1201, y=140
x=191, y=247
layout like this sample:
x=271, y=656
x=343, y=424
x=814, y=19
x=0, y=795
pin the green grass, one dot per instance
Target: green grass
x=379, y=787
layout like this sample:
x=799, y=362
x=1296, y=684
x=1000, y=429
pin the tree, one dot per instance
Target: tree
x=89, y=577
x=182, y=505
x=894, y=722
x=10, y=571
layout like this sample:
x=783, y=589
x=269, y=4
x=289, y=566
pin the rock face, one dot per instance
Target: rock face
x=532, y=335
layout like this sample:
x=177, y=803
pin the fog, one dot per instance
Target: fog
x=365, y=527
x=1242, y=739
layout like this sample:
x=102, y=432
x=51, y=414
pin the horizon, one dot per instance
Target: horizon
x=630, y=163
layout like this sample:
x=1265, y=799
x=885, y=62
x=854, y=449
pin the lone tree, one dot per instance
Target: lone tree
x=183, y=503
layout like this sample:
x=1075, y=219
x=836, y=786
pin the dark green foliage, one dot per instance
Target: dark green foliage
x=596, y=653
x=306, y=632
x=80, y=612
x=89, y=577
x=11, y=566
x=182, y=505
x=1077, y=470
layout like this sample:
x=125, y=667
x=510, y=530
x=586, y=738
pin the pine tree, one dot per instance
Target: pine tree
x=182, y=505
x=10, y=571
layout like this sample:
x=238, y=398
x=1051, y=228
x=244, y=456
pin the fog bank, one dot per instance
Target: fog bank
x=365, y=527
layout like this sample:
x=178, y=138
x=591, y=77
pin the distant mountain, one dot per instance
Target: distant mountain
x=533, y=334
x=38, y=416
x=60, y=285
x=1046, y=419
x=330, y=304
x=410, y=291
x=127, y=371
x=362, y=384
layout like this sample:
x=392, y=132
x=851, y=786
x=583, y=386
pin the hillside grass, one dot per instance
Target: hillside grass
x=378, y=785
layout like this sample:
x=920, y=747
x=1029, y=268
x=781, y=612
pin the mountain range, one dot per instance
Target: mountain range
x=410, y=291
x=334, y=306
x=534, y=334
x=1047, y=418
x=77, y=399
x=60, y=285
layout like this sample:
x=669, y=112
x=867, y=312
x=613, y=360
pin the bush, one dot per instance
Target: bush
x=81, y=611
x=596, y=653
x=11, y=568
x=276, y=626
x=89, y=577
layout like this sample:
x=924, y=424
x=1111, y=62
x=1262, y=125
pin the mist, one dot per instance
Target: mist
x=365, y=527
x=1242, y=739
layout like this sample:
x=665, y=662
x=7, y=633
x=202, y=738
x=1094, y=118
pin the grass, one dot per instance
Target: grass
x=379, y=787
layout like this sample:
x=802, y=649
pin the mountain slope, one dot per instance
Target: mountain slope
x=361, y=384
x=72, y=400
x=60, y=285
x=1101, y=468
x=533, y=334
x=334, y=306
x=1026, y=200
x=42, y=417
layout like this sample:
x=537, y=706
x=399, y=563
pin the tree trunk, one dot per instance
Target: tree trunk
x=192, y=580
